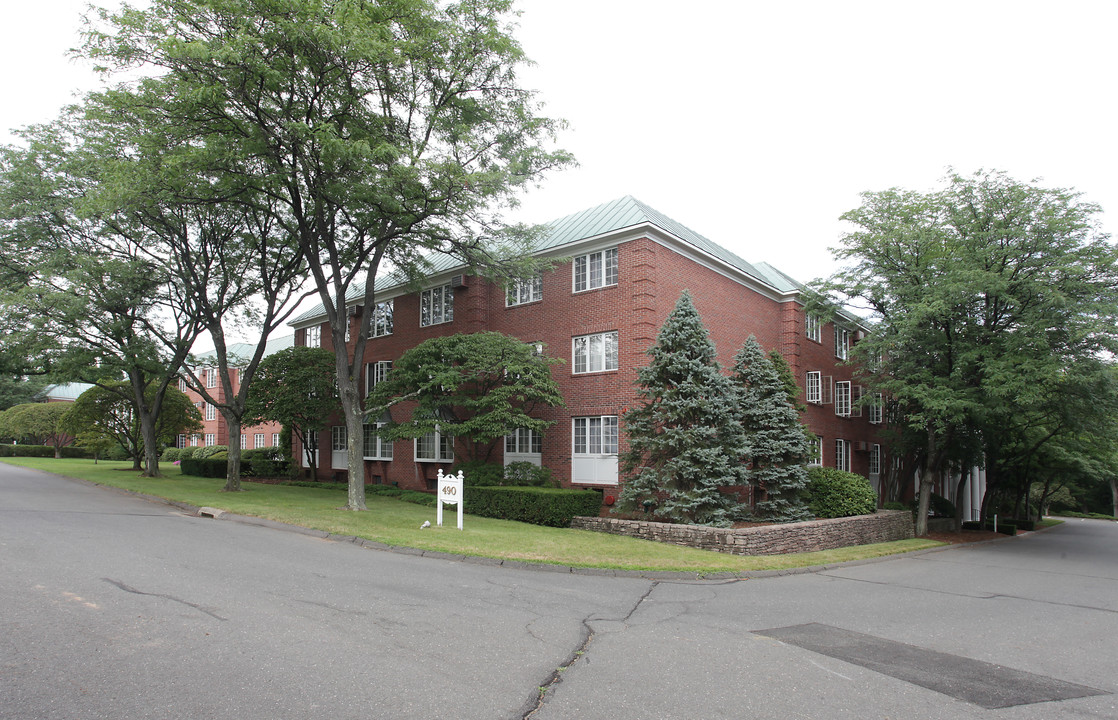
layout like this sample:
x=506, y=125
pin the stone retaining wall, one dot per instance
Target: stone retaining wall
x=884, y=526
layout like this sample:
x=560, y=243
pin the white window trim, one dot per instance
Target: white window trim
x=813, y=327
x=382, y=448
x=875, y=461
x=816, y=456
x=607, y=261
x=524, y=441
x=258, y=440
x=876, y=409
x=382, y=322
x=244, y=441
x=211, y=439
x=211, y=411
x=813, y=387
x=522, y=292
x=607, y=435
x=842, y=343
x=609, y=360
x=376, y=372
x=843, y=398
x=444, y=448
x=842, y=455
x=211, y=377
x=275, y=439
x=446, y=306
x=339, y=439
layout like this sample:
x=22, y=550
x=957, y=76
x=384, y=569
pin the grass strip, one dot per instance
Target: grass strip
x=397, y=523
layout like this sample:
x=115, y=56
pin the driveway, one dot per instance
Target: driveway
x=116, y=607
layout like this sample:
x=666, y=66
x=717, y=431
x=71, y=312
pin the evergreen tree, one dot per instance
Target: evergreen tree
x=685, y=441
x=776, y=444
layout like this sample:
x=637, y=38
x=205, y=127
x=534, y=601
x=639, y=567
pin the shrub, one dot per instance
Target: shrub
x=186, y=452
x=204, y=467
x=540, y=506
x=26, y=451
x=895, y=505
x=171, y=454
x=265, y=462
x=71, y=451
x=523, y=473
x=479, y=473
x=834, y=493
x=117, y=453
x=1025, y=525
x=941, y=506
x=210, y=451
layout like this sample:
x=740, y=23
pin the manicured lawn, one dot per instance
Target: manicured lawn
x=394, y=522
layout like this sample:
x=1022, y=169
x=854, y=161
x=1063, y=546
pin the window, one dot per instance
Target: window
x=875, y=408
x=182, y=384
x=211, y=411
x=842, y=455
x=258, y=440
x=524, y=291
x=376, y=372
x=275, y=439
x=244, y=441
x=181, y=442
x=842, y=398
x=815, y=456
x=382, y=319
x=813, y=327
x=523, y=441
x=195, y=439
x=338, y=438
x=436, y=306
x=595, y=435
x=211, y=377
x=434, y=447
x=875, y=460
x=856, y=403
x=814, y=386
x=376, y=447
x=595, y=353
x=595, y=270
x=313, y=336
x=842, y=343
x=210, y=439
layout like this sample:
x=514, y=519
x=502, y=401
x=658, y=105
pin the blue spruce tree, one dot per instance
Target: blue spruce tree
x=685, y=440
x=777, y=446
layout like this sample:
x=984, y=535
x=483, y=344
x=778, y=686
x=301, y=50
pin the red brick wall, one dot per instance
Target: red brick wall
x=651, y=278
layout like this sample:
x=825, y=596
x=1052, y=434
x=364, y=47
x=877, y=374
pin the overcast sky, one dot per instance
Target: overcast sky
x=757, y=124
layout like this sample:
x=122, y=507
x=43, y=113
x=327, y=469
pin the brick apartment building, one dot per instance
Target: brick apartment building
x=623, y=267
x=214, y=429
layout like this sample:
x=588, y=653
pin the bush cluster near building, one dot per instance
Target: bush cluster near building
x=835, y=493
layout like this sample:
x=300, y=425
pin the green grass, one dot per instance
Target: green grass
x=1047, y=523
x=393, y=522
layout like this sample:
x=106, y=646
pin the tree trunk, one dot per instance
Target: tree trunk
x=1114, y=496
x=355, y=456
x=151, y=449
x=233, y=466
x=927, y=481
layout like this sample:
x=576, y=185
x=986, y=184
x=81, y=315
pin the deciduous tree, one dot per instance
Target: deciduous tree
x=474, y=387
x=384, y=131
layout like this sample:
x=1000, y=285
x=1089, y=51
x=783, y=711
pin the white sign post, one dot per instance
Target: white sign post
x=450, y=492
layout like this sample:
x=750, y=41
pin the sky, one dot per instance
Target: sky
x=757, y=124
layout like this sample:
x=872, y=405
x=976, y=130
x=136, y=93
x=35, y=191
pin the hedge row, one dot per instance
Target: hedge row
x=204, y=467
x=42, y=451
x=539, y=506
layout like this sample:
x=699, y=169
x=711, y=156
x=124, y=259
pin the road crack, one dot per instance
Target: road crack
x=172, y=598
x=580, y=653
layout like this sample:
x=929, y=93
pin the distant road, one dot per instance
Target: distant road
x=115, y=607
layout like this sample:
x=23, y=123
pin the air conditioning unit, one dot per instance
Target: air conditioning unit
x=354, y=310
x=860, y=335
x=458, y=281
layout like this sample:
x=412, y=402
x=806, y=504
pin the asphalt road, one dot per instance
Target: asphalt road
x=115, y=607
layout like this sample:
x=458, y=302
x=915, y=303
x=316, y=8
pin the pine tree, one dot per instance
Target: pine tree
x=776, y=442
x=685, y=441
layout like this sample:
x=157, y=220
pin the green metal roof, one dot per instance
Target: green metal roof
x=626, y=212
x=242, y=352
